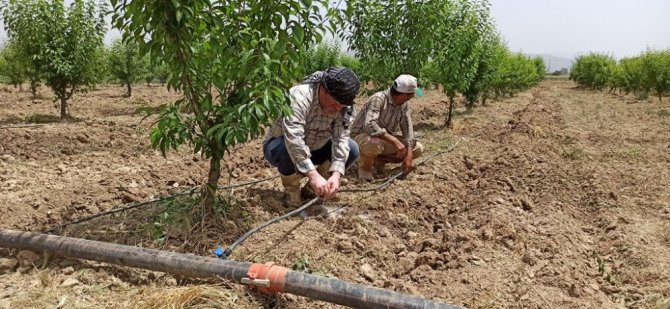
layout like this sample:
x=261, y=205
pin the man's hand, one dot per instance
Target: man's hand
x=399, y=146
x=407, y=162
x=318, y=184
x=333, y=185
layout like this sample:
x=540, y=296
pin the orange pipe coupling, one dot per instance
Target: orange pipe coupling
x=268, y=278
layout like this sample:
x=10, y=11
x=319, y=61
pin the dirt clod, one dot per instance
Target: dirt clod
x=27, y=258
x=70, y=282
x=529, y=259
x=7, y=265
x=574, y=291
x=367, y=272
x=527, y=204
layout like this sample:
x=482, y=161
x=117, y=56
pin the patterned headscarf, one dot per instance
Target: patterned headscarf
x=340, y=82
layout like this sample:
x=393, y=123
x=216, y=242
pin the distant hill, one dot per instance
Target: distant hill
x=554, y=63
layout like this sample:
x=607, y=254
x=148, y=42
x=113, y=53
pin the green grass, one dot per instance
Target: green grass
x=572, y=154
x=176, y=213
x=302, y=264
x=41, y=118
x=44, y=118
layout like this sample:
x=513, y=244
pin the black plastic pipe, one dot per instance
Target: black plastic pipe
x=281, y=279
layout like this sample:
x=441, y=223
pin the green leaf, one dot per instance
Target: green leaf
x=299, y=34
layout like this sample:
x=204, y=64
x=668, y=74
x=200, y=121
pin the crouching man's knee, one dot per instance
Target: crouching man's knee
x=369, y=145
x=277, y=155
x=354, y=152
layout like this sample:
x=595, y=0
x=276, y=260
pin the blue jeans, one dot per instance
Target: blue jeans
x=276, y=153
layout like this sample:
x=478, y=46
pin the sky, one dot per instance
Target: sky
x=566, y=28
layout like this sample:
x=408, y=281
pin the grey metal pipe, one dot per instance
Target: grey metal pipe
x=270, y=278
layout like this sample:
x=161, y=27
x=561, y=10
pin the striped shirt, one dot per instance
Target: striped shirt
x=309, y=128
x=380, y=115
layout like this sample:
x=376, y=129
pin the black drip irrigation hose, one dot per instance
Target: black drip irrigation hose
x=248, y=183
x=225, y=253
x=159, y=199
x=120, y=209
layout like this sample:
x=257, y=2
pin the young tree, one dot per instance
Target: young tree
x=33, y=75
x=231, y=60
x=487, y=54
x=593, y=70
x=161, y=71
x=519, y=73
x=657, y=70
x=150, y=71
x=390, y=37
x=428, y=74
x=321, y=57
x=126, y=64
x=61, y=40
x=616, y=79
x=12, y=65
x=463, y=25
x=18, y=66
x=633, y=76
x=540, y=67
x=99, y=72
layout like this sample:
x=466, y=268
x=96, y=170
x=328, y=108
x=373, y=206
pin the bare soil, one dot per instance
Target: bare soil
x=556, y=198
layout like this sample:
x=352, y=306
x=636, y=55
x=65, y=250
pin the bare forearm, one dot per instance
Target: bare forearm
x=391, y=139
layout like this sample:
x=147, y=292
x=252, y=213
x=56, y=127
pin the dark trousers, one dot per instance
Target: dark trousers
x=276, y=153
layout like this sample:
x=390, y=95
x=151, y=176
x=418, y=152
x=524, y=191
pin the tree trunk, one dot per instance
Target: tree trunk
x=63, y=108
x=470, y=104
x=209, y=191
x=130, y=89
x=447, y=123
x=33, y=88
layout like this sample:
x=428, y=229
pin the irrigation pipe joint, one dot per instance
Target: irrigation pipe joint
x=268, y=278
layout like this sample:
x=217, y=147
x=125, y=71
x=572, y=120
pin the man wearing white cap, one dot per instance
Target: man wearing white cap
x=375, y=125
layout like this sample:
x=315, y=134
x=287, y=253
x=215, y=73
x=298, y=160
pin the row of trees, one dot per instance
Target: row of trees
x=500, y=74
x=453, y=43
x=54, y=43
x=504, y=75
x=328, y=54
x=233, y=60
x=119, y=63
x=647, y=73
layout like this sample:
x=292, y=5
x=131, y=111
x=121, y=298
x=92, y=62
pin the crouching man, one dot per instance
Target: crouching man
x=375, y=124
